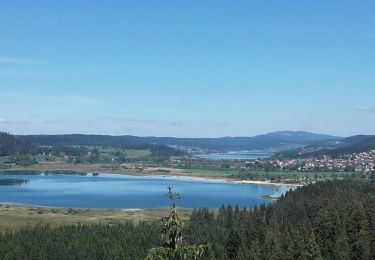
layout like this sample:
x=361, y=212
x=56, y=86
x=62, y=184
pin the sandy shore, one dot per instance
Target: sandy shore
x=269, y=183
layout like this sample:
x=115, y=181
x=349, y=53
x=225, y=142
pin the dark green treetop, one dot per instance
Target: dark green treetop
x=172, y=234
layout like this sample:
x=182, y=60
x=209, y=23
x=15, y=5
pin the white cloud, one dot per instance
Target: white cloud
x=366, y=109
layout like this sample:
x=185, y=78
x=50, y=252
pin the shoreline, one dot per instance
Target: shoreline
x=270, y=183
x=149, y=172
x=32, y=206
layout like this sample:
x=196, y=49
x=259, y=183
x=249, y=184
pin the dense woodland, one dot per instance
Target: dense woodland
x=326, y=220
x=9, y=144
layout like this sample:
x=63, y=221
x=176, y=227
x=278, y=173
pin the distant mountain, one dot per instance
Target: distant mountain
x=337, y=148
x=277, y=140
x=296, y=137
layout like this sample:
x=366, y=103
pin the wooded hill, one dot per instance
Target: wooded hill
x=326, y=220
x=346, y=146
x=275, y=140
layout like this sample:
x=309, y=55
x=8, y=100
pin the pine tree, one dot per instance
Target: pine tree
x=172, y=233
x=312, y=248
x=255, y=251
x=232, y=244
x=342, y=247
x=357, y=229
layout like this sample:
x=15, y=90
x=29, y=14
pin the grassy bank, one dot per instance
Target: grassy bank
x=15, y=217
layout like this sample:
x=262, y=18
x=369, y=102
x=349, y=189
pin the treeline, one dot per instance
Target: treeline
x=92, y=140
x=260, y=142
x=79, y=139
x=163, y=152
x=9, y=144
x=21, y=160
x=63, y=150
x=156, y=149
x=326, y=220
x=76, y=149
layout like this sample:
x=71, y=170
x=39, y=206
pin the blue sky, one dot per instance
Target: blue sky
x=187, y=68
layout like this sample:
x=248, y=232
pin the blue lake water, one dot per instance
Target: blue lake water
x=125, y=191
x=242, y=155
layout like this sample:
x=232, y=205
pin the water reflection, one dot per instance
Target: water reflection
x=11, y=182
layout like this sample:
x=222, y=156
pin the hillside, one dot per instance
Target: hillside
x=296, y=137
x=349, y=145
x=277, y=140
x=362, y=145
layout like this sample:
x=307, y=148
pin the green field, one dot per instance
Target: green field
x=131, y=153
x=13, y=217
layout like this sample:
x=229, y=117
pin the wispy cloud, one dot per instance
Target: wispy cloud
x=66, y=99
x=139, y=120
x=13, y=60
x=142, y=121
x=366, y=109
x=12, y=121
x=126, y=119
x=177, y=123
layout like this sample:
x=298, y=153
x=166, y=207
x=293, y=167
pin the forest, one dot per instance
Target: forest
x=9, y=144
x=327, y=220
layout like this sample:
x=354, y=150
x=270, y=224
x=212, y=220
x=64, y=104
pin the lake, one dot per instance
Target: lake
x=242, y=155
x=126, y=191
